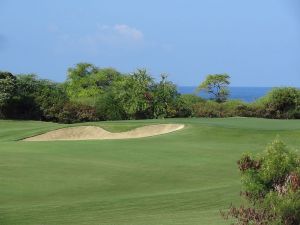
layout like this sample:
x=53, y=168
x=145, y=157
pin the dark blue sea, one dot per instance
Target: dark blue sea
x=247, y=94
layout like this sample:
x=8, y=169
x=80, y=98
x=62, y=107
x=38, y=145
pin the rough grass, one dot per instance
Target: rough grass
x=184, y=177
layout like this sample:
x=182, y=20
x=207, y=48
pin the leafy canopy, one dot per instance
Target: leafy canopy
x=7, y=87
x=165, y=96
x=216, y=85
x=271, y=187
x=87, y=80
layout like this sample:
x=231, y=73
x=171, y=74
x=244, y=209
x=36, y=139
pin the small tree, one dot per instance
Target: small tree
x=7, y=88
x=164, y=98
x=216, y=85
x=271, y=188
x=282, y=103
x=133, y=94
x=88, y=81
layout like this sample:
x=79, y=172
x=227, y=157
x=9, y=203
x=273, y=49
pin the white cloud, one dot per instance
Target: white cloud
x=116, y=36
x=103, y=38
x=129, y=32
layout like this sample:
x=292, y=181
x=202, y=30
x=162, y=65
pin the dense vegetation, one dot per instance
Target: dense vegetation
x=91, y=93
x=271, y=188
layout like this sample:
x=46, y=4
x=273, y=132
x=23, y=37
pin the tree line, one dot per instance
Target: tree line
x=91, y=93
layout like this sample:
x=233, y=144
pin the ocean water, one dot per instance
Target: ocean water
x=247, y=94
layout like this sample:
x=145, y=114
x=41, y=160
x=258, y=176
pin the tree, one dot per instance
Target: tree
x=216, y=85
x=271, y=187
x=133, y=94
x=164, y=98
x=50, y=98
x=36, y=98
x=108, y=106
x=88, y=81
x=7, y=88
x=23, y=104
x=80, y=83
x=186, y=103
x=282, y=103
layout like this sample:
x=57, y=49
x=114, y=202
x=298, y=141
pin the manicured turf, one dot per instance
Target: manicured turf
x=184, y=177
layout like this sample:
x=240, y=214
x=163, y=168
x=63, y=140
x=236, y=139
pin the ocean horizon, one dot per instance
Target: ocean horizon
x=247, y=94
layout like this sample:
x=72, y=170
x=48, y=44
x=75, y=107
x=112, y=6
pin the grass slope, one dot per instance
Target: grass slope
x=184, y=177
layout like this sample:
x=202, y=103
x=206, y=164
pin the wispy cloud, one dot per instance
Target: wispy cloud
x=116, y=35
x=103, y=38
x=129, y=32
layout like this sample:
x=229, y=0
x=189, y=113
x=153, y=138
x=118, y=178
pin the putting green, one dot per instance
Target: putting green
x=184, y=177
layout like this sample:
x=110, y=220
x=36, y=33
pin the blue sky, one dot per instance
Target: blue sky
x=256, y=42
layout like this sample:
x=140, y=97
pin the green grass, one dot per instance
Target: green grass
x=184, y=177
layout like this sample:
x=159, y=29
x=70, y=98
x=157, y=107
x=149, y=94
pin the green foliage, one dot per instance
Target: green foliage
x=185, y=104
x=7, y=88
x=36, y=99
x=208, y=109
x=133, y=93
x=51, y=98
x=278, y=161
x=282, y=103
x=108, y=108
x=23, y=105
x=80, y=81
x=225, y=109
x=76, y=112
x=116, y=96
x=164, y=98
x=137, y=96
x=112, y=95
x=271, y=184
x=217, y=86
x=87, y=80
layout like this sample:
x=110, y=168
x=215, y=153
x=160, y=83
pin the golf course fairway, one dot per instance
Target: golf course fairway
x=184, y=177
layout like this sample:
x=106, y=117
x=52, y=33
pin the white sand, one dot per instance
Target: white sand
x=98, y=133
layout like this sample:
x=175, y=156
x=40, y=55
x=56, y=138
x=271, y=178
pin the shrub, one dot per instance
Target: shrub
x=271, y=186
x=226, y=109
x=184, y=105
x=7, y=89
x=77, y=112
x=50, y=98
x=207, y=109
x=107, y=108
x=282, y=103
x=164, y=98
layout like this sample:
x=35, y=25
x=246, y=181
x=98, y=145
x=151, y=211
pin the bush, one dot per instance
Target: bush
x=163, y=98
x=76, y=112
x=207, y=109
x=271, y=186
x=226, y=109
x=107, y=108
x=7, y=89
x=282, y=103
x=50, y=98
x=184, y=105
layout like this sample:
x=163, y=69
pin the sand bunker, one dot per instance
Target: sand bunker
x=98, y=133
